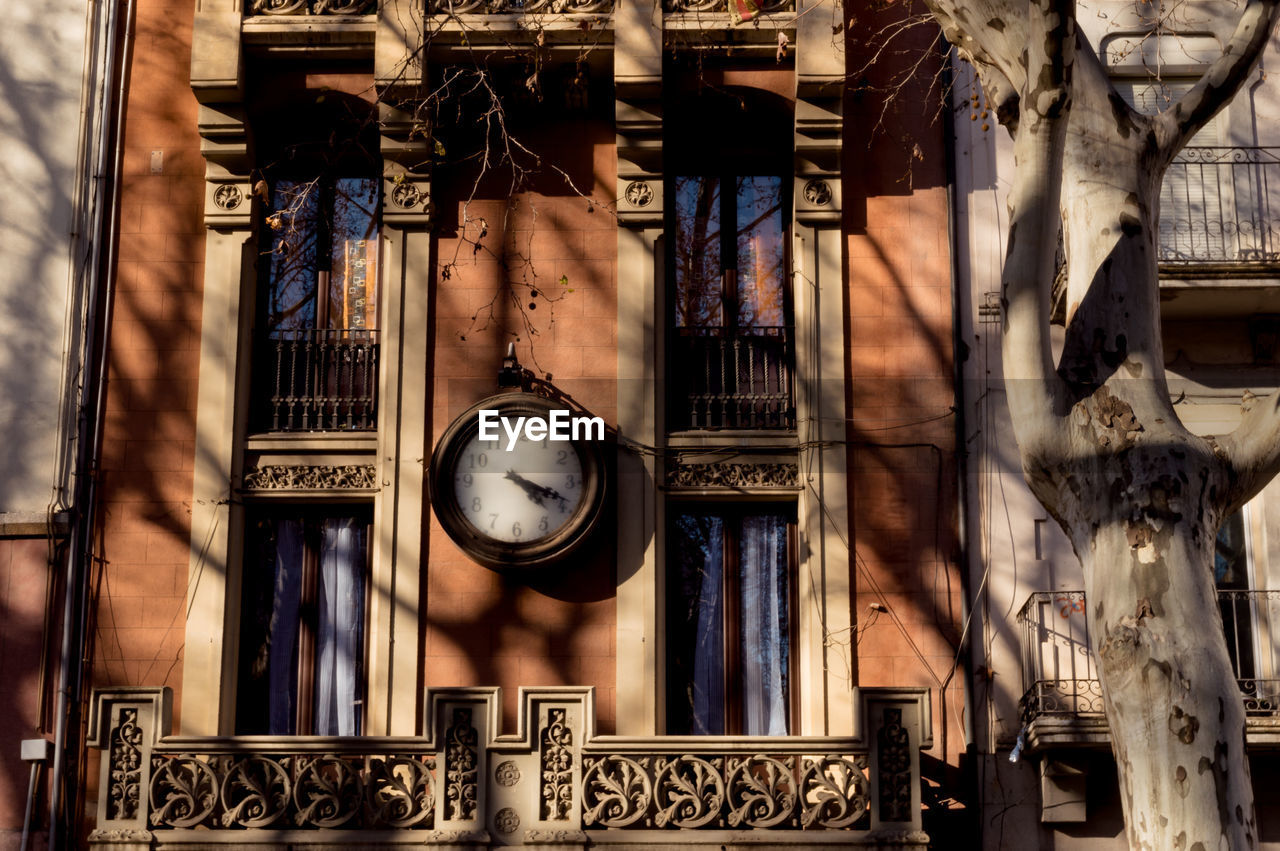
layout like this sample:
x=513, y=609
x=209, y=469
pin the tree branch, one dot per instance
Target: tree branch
x=1031, y=382
x=1220, y=82
x=1252, y=451
x=989, y=36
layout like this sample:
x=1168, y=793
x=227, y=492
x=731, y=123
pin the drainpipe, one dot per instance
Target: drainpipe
x=102, y=190
x=957, y=357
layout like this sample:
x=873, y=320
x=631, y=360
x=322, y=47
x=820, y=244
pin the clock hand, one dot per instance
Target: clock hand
x=536, y=493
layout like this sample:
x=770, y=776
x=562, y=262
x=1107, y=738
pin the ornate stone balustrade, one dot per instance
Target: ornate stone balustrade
x=313, y=7
x=462, y=784
x=520, y=7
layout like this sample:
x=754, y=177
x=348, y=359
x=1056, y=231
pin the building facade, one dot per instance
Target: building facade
x=1042, y=749
x=320, y=617
x=60, y=78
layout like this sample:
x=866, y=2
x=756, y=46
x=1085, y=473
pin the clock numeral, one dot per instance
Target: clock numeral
x=474, y=460
x=570, y=482
x=543, y=523
x=562, y=457
x=468, y=479
x=515, y=530
x=475, y=505
x=493, y=520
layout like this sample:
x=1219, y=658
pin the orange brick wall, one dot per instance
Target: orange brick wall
x=149, y=434
x=24, y=570
x=484, y=628
x=902, y=455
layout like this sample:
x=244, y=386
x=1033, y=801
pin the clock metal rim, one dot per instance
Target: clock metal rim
x=503, y=555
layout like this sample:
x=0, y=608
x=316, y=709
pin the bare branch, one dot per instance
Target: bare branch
x=1221, y=81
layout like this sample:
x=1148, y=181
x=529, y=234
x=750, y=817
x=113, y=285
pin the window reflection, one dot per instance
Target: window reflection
x=728, y=623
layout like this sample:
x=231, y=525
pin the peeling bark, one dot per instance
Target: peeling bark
x=1102, y=447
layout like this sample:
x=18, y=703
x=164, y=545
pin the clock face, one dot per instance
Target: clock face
x=527, y=493
x=515, y=504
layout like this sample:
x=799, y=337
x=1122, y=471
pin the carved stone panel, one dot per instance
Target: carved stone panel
x=308, y=477
x=733, y=475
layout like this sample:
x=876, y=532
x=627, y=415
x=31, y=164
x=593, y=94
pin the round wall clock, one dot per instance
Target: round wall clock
x=512, y=486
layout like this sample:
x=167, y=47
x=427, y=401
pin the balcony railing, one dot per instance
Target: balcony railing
x=554, y=782
x=1061, y=677
x=316, y=379
x=732, y=379
x=1217, y=207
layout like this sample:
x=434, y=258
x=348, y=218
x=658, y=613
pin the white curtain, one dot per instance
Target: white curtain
x=339, y=628
x=764, y=620
x=282, y=630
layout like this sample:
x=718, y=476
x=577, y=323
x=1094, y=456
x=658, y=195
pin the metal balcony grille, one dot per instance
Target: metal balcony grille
x=316, y=379
x=739, y=379
x=1061, y=677
x=1216, y=207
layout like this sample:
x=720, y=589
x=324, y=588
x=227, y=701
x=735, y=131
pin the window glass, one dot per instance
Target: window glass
x=729, y=623
x=322, y=271
x=761, y=253
x=697, y=253
x=302, y=625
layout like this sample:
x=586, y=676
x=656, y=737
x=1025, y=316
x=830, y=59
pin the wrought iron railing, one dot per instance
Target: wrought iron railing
x=336, y=8
x=1217, y=206
x=732, y=379
x=555, y=782
x=1060, y=676
x=316, y=379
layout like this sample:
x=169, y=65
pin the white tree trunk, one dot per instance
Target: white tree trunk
x=1101, y=445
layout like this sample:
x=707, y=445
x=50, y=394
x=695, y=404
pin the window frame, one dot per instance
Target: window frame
x=312, y=515
x=731, y=621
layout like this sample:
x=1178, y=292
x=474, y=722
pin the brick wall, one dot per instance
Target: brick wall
x=542, y=276
x=149, y=435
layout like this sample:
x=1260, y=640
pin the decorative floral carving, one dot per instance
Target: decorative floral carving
x=554, y=837
x=302, y=477
x=506, y=820
x=400, y=792
x=616, y=790
x=834, y=792
x=894, y=780
x=119, y=834
x=688, y=792
x=327, y=792
x=312, y=7
x=406, y=196
x=184, y=791
x=762, y=792
x=766, y=7
x=557, y=767
x=733, y=475
x=507, y=7
x=638, y=193
x=507, y=774
x=126, y=766
x=817, y=193
x=255, y=792
x=228, y=196
x=461, y=767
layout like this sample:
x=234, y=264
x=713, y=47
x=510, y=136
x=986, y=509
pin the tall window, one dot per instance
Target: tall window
x=1236, y=603
x=729, y=318
x=302, y=623
x=729, y=621
x=318, y=308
